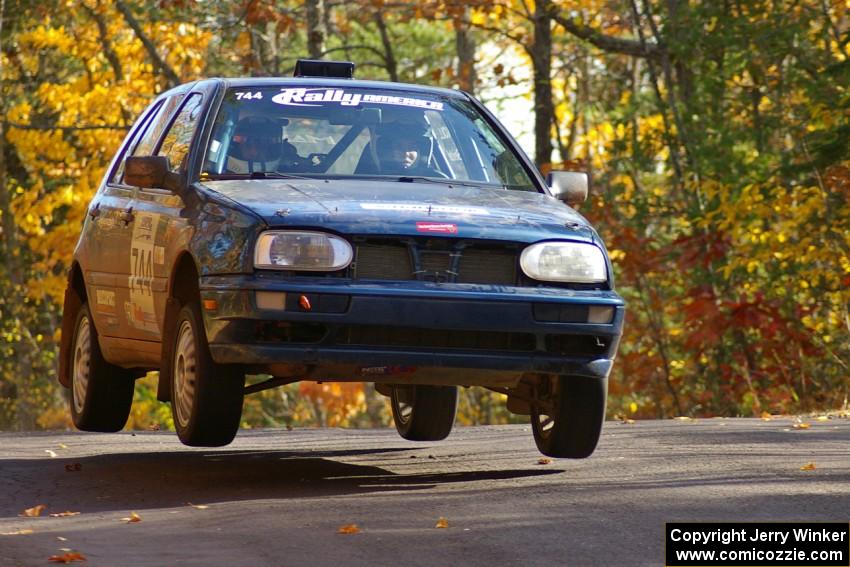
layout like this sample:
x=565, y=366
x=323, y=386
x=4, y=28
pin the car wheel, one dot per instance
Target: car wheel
x=424, y=413
x=101, y=393
x=567, y=418
x=206, y=398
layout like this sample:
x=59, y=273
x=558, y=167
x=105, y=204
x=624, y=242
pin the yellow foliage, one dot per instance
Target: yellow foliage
x=65, y=164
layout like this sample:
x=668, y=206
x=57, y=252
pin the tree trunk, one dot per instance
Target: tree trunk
x=316, y=30
x=389, y=55
x=465, y=45
x=544, y=110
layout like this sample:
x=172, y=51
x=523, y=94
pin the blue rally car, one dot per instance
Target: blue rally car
x=327, y=229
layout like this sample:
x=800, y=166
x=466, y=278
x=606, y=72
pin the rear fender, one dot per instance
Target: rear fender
x=71, y=308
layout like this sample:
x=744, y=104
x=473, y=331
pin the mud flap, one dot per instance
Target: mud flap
x=71, y=307
x=384, y=389
x=163, y=388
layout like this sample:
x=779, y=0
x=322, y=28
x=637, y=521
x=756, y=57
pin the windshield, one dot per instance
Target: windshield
x=357, y=132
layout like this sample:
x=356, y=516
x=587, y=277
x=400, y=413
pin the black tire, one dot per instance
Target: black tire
x=101, y=393
x=424, y=413
x=570, y=425
x=206, y=398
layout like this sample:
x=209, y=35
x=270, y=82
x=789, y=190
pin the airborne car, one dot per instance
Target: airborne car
x=329, y=229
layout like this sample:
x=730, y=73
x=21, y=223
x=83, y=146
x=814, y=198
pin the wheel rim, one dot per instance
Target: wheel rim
x=185, y=373
x=82, y=364
x=404, y=399
x=542, y=420
x=544, y=424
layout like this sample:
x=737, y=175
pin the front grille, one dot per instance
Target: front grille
x=444, y=261
x=487, y=266
x=413, y=337
x=383, y=262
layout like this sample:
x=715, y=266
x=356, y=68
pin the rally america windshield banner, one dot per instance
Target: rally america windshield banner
x=301, y=96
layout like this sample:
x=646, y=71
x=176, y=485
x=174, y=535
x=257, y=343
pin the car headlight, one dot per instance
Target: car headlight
x=564, y=262
x=303, y=251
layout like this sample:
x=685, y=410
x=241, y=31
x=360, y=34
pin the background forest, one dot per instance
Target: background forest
x=716, y=134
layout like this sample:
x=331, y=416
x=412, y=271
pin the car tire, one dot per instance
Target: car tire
x=424, y=413
x=101, y=393
x=570, y=424
x=206, y=398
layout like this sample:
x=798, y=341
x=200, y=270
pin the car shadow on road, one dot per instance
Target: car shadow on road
x=123, y=481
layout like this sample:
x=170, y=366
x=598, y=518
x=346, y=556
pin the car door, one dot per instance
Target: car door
x=106, y=238
x=159, y=231
x=119, y=251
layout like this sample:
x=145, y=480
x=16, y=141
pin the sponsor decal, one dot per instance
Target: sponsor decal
x=310, y=97
x=438, y=227
x=385, y=370
x=105, y=297
x=105, y=301
x=426, y=209
x=141, y=310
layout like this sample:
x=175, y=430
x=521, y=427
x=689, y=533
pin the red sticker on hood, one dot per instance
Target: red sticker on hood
x=440, y=227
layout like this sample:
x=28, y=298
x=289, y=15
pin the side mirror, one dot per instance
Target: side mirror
x=568, y=186
x=146, y=171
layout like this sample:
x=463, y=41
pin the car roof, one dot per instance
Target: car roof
x=243, y=82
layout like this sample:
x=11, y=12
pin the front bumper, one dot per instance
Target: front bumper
x=362, y=328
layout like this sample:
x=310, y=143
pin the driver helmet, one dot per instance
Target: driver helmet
x=255, y=146
x=402, y=148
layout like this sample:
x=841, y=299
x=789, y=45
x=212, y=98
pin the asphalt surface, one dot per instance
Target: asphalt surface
x=277, y=497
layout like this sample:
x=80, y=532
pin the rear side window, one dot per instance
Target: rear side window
x=157, y=127
x=146, y=137
x=144, y=121
x=175, y=146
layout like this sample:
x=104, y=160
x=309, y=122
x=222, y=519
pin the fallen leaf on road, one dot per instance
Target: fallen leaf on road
x=19, y=532
x=60, y=538
x=132, y=519
x=64, y=514
x=808, y=467
x=154, y=427
x=684, y=418
x=67, y=557
x=543, y=461
x=765, y=416
x=801, y=426
x=198, y=506
x=628, y=421
x=348, y=529
x=33, y=512
x=51, y=453
x=73, y=467
x=62, y=446
x=442, y=523
x=823, y=418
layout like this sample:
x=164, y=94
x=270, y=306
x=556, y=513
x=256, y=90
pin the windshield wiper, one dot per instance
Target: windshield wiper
x=253, y=175
x=440, y=180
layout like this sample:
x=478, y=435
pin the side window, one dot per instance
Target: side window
x=178, y=140
x=155, y=130
x=143, y=122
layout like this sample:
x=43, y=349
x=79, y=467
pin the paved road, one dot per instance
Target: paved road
x=277, y=497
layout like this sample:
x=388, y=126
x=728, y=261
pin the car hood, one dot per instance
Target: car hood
x=406, y=208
